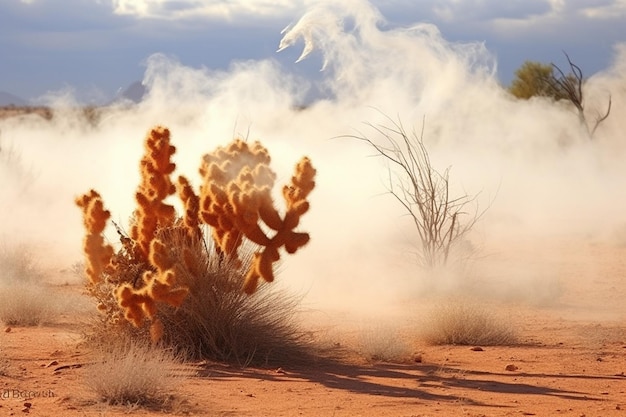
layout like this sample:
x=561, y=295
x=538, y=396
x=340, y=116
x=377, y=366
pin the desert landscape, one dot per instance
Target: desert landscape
x=569, y=359
x=559, y=311
x=396, y=237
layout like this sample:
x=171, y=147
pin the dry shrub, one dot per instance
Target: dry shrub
x=24, y=299
x=217, y=320
x=384, y=343
x=26, y=304
x=170, y=284
x=133, y=374
x=17, y=264
x=464, y=323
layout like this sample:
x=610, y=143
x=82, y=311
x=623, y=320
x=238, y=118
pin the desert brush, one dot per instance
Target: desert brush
x=234, y=199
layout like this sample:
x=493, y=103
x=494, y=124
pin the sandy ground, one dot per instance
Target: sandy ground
x=565, y=298
x=571, y=361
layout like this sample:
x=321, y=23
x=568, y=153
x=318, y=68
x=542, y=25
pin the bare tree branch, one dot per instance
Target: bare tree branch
x=424, y=193
x=570, y=87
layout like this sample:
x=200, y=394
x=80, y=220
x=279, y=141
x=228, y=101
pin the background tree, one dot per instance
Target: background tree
x=571, y=85
x=533, y=79
x=548, y=80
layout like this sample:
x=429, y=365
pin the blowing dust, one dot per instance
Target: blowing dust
x=543, y=189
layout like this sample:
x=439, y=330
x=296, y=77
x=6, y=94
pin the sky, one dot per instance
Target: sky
x=92, y=49
x=216, y=71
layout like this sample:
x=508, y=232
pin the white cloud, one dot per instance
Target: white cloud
x=215, y=9
x=563, y=20
x=485, y=10
x=512, y=17
x=613, y=10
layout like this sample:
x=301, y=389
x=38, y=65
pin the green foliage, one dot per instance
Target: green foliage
x=535, y=79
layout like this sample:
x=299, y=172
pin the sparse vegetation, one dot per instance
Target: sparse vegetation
x=26, y=304
x=384, y=344
x=24, y=300
x=196, y=294
x=531, y=80
x=465, y=323
x=440, y=219
x=17, y=264
x=133, y=374
x=549, y=80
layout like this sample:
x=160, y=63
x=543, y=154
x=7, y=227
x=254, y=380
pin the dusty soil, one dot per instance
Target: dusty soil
x=570, y=361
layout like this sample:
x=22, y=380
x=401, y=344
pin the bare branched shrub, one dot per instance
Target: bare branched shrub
x=463, y=323
x=570, y=86
x=132, y=374
x=440, y=219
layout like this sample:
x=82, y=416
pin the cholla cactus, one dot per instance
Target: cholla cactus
x=236, y=196
x=234, y=199
x=98, y=254
x=191, y=202
x=159, y=286
x=155, y=187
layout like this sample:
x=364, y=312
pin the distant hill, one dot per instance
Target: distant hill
x=134, y=92
x=8, y=99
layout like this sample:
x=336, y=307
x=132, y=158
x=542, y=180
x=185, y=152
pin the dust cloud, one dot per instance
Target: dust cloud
x=534, y=171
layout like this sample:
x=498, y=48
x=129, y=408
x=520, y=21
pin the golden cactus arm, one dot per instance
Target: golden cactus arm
x=269, y=214
x=155, y=186
x=192, y=207
x=254, y=233
x=262, y=267
x=165, y=293
x=98, y=254
x=230, y=242
x=159, y=257
x=236, y=196
x=133, y=303
x=295, y=240
x=303, y=180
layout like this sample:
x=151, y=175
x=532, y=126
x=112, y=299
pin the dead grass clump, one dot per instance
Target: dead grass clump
x=17, y=264
x=24, y=299
x=384, y=344
x=26, y=304
x=133, y=374
x=462, y=323
x=216, y=320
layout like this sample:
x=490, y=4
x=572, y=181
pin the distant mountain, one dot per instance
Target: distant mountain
x=7, y=99
x=134, y=92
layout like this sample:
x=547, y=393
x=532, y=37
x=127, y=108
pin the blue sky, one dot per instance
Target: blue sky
x=96, y=47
